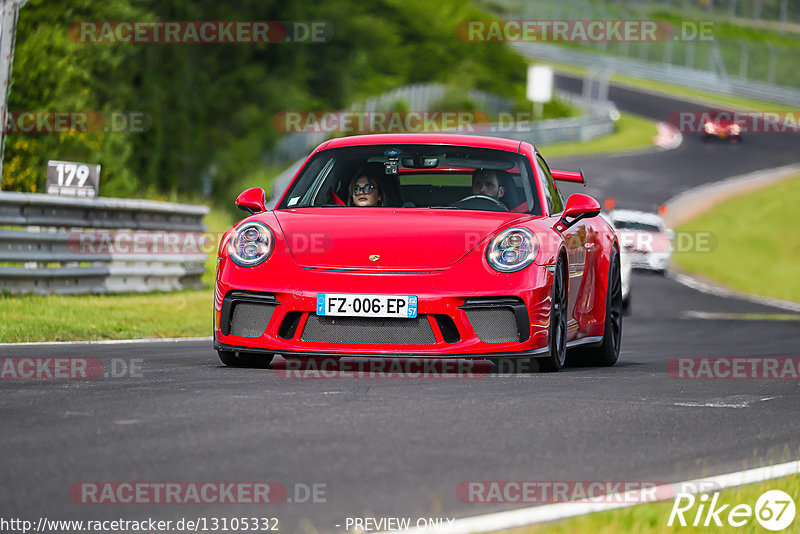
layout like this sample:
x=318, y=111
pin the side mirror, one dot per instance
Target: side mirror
x=579, y=206
x=252, y=200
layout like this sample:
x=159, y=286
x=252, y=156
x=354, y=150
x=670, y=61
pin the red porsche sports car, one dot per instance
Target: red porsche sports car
x=424, y=245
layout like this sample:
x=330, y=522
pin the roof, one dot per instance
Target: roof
x=475, y=141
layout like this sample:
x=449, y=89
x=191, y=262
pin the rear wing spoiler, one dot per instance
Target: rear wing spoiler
x=569, y=176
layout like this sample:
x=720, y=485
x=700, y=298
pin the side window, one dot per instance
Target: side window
x=554, y=200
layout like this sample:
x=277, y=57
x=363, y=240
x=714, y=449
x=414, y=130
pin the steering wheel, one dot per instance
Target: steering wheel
x=480, y=198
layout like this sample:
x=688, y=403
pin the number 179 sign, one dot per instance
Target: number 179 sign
x=72, y=179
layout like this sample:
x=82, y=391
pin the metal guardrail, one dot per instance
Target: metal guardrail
x=583, y=128
x=41, y=247
x=746, y=57
x=674, y=74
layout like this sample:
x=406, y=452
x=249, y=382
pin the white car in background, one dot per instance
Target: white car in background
x=644, y=237
x=625, y=269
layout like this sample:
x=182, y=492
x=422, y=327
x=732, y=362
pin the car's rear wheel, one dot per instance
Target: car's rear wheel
x=607, y=353
x=558, y=323
x=245, y=359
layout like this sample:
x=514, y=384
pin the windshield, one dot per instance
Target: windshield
x=416, y=176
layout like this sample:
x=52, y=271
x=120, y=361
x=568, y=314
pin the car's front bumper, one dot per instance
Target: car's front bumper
x=462, y=311
x=445, y=326
x=653, y=261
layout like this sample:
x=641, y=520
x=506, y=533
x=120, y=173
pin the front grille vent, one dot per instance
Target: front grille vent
x=494, y=325
x=250, y=319
x=367, y=331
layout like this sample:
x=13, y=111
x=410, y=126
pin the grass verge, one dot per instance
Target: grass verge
x=631, y=132
x=652, y=518
x=757, y=247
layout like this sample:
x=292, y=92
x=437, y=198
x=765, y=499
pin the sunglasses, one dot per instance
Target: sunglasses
x=363, y=189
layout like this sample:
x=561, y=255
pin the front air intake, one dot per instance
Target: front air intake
x=498, y=319
x=494, y=325
x=250, y=320
x=246, y=313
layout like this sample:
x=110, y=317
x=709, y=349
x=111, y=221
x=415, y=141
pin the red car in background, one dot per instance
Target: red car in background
x=436, y=271
x=720, y=124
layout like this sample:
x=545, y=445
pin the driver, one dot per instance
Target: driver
x=487, y=182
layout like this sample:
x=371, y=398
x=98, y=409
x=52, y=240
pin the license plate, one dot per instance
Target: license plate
x=395, y=306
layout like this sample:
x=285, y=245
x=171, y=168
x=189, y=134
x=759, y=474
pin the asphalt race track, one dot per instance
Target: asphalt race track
x=645, y=179
x=401, y=447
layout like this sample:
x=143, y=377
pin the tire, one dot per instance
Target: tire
x=607, y=353
x=557, y=338
x=245, y=359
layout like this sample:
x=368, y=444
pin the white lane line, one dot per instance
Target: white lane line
x=737, y=401
x=724, y=292
x=127, y=422
x=552, y=512
x=692, y=314
x=108, y=341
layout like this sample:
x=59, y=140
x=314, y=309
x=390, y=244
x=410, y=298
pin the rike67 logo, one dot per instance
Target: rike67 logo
x=774, y=510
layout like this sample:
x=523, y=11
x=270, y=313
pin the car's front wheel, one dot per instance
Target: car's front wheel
x=245, y=359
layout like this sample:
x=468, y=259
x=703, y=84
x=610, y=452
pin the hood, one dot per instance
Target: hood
x=413, y=239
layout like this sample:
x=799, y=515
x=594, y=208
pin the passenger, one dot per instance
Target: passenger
x=486, y=182
x=365, y=191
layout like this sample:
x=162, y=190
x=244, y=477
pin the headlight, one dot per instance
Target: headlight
x=250, y=244
x=512, y=250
